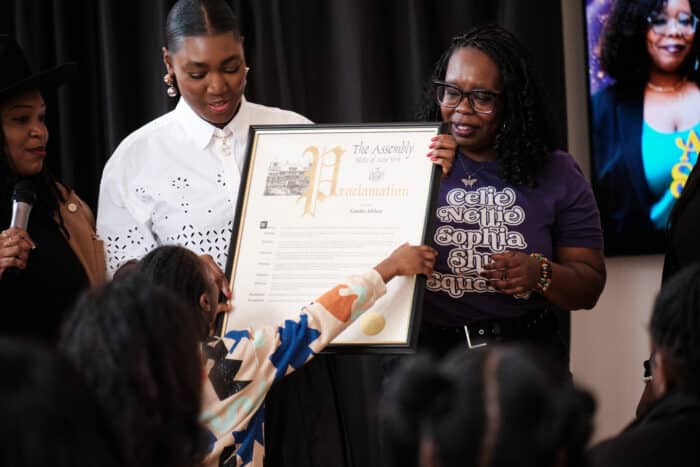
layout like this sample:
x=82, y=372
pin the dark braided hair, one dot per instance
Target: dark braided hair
x=181, y=272
x=525, y=140
x=675, y=327
x=494, y=407
x=624, y=54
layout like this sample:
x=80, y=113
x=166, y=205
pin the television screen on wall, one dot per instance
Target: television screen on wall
x=644, y=122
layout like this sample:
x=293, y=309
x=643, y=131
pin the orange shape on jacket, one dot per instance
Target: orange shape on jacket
x=338, y=305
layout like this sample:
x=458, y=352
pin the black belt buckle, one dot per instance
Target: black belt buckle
x=481, y=336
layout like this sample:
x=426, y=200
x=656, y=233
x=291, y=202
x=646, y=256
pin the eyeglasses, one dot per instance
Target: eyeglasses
x=482, y=101
x=686, y=23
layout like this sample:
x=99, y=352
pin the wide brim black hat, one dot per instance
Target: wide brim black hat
x=17, y=76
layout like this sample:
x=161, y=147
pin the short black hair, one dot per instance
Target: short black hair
x=138, y=348
x=49, y=415
x=490, y=407
x=526, y=139
x=623, y=49
x=188, y=18
x=675, y=326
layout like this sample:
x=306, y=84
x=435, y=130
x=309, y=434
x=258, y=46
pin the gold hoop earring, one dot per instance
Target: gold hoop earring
x=172, y=90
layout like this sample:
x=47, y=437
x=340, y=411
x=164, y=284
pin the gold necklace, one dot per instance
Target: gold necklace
x=673, y=88
x=470, y=178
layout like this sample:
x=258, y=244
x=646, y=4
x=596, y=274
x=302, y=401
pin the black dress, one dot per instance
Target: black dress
x=35, y=301
x=667, y=435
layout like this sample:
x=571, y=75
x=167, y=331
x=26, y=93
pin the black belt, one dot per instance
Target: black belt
x=483, y=332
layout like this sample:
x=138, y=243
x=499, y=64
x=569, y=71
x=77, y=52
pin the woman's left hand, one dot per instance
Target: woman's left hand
x=443, y=149
x=513, y=273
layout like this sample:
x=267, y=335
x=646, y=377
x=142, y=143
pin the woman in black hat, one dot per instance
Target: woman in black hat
x=47, y=261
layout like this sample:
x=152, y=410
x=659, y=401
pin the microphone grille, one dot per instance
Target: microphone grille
x=24, y=192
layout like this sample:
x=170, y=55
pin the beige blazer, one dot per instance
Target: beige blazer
x=80, y=224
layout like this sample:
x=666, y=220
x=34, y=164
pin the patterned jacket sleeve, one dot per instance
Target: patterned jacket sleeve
x=243, y=365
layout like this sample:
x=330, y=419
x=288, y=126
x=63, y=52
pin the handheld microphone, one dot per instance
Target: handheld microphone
x=22, y=201
x=444, y=128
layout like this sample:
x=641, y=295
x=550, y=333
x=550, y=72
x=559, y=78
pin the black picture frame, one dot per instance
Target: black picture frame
x=253, y=169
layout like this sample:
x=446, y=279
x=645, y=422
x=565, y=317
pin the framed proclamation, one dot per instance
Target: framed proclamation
x=319, y=203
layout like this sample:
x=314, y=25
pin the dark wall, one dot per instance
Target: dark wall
x=331, y=60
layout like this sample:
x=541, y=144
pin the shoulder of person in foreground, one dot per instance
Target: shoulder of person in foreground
x=662, y=442
x=245, y=363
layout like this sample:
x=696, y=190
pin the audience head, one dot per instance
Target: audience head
x=504, y=116
x=675, y=335
x=488, y=408
x=138, y=348
x=636, y=33
x=204, y=58
x=49, y=416
x=184, y=274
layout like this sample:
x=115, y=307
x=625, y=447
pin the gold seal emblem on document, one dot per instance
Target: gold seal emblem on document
x=372, y=323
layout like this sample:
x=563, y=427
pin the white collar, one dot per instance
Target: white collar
x=200, y=131
x=241, y=121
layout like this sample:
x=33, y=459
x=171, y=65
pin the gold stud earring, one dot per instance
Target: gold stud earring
x=168, y=80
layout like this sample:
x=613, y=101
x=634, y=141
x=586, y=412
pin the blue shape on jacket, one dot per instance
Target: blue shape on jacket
x=246, y=439
x=236, y=336
x=295, y=337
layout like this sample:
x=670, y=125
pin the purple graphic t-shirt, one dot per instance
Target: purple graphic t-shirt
x=478, y=214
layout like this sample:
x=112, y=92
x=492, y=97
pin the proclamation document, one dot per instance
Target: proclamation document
x=319, y=203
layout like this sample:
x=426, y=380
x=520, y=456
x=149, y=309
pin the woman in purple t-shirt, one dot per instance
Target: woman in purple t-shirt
x=517, y=226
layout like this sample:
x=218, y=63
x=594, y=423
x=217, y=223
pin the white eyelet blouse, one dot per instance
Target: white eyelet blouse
x=175, y=181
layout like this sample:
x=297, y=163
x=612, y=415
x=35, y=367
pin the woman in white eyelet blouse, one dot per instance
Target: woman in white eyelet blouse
x=173, y=182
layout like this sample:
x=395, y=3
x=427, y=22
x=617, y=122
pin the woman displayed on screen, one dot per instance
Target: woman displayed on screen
x=645, y=126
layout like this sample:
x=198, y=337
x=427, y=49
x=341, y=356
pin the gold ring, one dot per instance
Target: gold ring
x=3, y=234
